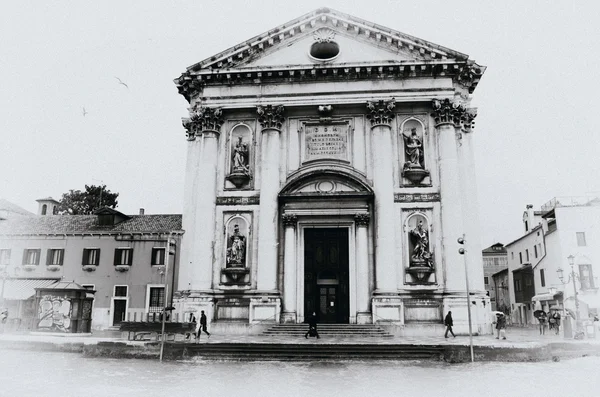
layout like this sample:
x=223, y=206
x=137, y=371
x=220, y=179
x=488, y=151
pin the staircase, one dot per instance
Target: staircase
x=336, y=330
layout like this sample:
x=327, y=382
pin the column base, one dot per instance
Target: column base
x=364, y=318
x=289, y=317
x=387, y=310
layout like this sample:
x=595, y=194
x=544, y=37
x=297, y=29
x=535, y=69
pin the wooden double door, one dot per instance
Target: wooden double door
x=326, y=278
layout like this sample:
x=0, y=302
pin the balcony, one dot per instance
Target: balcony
x=122, y=268
x=89, y=268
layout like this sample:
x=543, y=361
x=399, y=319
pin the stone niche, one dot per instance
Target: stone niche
x=413, y=149
x=237, y=241
x=239, y=158
x=420, y=258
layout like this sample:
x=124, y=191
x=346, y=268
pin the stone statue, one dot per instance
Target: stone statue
x=236, y=249
x=420, y=239
x=240, y=157
x=414, y=150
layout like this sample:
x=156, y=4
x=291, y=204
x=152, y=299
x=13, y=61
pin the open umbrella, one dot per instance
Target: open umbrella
x=538, y=313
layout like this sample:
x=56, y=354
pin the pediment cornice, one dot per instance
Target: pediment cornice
x=232, y=66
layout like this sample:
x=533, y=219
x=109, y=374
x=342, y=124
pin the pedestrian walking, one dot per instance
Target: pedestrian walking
x=555, y=321
x=449, y=323
x=312, y=326
x=543, y=319
x=193, y=322
x=202, y=326
x=501, y=325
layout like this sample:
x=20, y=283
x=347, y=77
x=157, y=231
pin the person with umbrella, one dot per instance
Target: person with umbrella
x=501, y=325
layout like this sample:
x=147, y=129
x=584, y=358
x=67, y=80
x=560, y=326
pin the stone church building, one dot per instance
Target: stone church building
x=330, y=170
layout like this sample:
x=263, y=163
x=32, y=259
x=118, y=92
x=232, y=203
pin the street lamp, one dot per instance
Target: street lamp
x=572, y=277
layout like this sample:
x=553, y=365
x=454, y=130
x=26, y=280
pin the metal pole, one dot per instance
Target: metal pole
x=164, y=313
x=468, y=302
x=577, y=316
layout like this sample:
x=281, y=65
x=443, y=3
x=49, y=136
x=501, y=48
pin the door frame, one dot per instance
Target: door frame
x=343, y=222
x=118, y=298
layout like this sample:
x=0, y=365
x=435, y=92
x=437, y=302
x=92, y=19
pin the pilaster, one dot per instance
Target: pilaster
x=289, y=269
x=363, y=295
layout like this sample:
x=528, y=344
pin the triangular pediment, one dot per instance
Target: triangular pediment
x=359, y=42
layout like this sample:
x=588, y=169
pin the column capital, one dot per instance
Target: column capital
x=381, y=112
x=289, y=220
x=270, y=117
x=453, y=113
x=362, y=219
x=203, y=119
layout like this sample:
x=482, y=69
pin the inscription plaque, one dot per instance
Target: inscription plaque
x=326, y=141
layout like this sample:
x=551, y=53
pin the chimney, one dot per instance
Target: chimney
x=141, y=211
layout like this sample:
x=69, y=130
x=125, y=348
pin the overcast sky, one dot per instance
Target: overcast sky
x=535, y=137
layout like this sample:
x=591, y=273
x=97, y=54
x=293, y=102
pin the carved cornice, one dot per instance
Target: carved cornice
x=189, y=85
x=289, y=220
x=381, y=112
x=203, y=119
x=362, y=219
x=453, y=113
x=270, y=117
x=469, y=75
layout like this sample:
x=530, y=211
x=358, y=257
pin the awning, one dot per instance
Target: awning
x=546, y=297
x=593, y=301
x=24, y=288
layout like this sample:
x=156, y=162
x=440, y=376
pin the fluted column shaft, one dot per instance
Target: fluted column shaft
x=289, y=269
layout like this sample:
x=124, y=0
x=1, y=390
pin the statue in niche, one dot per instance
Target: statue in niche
x=414, y=150
x=236, y=248
x=421, y=256
x=240, y=157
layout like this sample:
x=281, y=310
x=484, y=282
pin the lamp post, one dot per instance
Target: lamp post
x=463, y=252
x=166, y=289
x=572, y=277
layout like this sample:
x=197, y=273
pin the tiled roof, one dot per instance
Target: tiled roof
x=84, y=224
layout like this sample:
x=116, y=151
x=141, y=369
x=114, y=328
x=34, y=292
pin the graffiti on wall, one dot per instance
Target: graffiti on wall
x=54, y=314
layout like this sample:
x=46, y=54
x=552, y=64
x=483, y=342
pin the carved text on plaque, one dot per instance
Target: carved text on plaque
x=326, y=141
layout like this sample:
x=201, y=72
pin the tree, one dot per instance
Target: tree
x=76, y=202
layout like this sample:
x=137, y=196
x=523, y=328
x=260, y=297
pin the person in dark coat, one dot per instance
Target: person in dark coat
x=193, y=321
x=202, y=325
x=501, y=325
x=312, y=326
x=449, y=323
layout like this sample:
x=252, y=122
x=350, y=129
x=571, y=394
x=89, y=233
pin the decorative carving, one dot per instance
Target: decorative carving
x=240, y=169
x=270, y=117
x=324, y=35
x=252, y=200
x=448, y=112
x=236, y=248
x=289, y=220
x=202, y=119
x=381, y=112
x=469, y=75
x=362, y=219
x=325, y=110
x=326, y=140
x=419, y=198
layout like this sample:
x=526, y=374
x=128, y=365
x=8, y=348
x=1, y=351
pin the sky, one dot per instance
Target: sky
x=534, y=135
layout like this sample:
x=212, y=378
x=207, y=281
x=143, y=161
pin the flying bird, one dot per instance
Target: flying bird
x=84, y=112
x=121, y=82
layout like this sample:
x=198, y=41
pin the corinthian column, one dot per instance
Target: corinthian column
x=203, y=130
x=271, y=120
x=363, y=295
x=289, y=269
x=381, y=115
x=448, y=118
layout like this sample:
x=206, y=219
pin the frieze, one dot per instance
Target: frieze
x=416, y=197
x=253, y=200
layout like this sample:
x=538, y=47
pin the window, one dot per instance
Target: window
x=157, y=299
x=91, y=287
x=528, y=281
x=521, y=258
x=44, y=209
x=4, y=257
x=158, y=257
x=55, y=257
x=542, y=277
x=517, y=285
x=123, y=256
x=580, y=239
x=586, y=277
x=512, y=255
x=121, y=291
x=486, y=280
x=535, y=251
x=31, y=256
x=527, y=254
x=91, y=256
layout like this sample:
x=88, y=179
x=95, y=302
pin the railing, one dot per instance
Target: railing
x=260, y=322
x=569, y=201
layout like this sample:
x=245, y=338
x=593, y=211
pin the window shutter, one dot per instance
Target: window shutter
x=85, y=256
x=117, y=256
x=49, y=257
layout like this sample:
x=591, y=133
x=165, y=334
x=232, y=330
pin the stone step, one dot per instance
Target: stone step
x=342, y=330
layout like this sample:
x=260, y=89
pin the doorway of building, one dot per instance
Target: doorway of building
x=326, y=277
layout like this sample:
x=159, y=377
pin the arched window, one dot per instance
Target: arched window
x=44, y=209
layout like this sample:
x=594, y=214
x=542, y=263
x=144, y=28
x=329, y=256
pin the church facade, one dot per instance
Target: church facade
x=330, y=170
